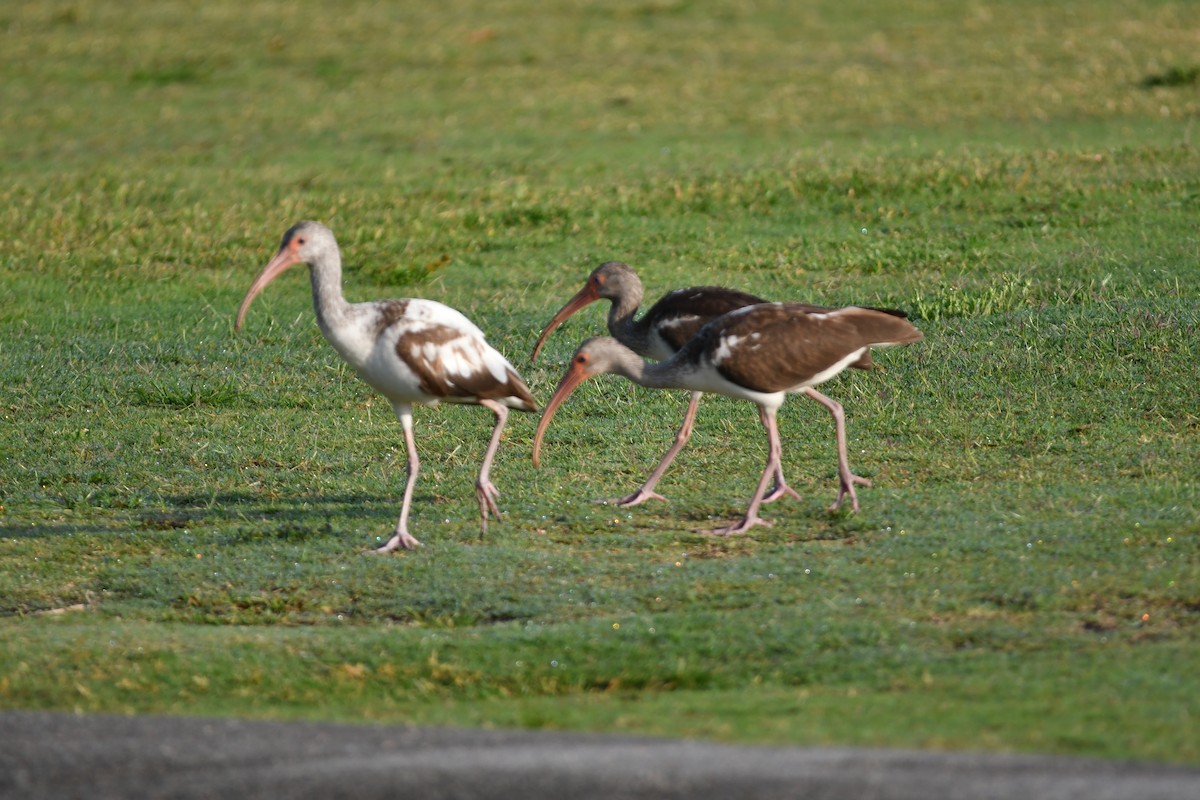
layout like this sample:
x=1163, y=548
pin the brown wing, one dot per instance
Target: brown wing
x=779, y=346
x=689, y=310
x=451, y=364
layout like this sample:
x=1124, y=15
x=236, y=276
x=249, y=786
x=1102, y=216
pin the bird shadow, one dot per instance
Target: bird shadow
x=188, y=512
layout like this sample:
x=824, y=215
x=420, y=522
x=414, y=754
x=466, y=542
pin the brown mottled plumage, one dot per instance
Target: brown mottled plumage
x=790, y=344
x=758, y=353
x=411, y=351
x=664, y=329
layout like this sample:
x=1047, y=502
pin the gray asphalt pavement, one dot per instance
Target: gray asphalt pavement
x=50, y=755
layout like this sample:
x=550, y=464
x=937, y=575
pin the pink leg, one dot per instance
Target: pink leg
x=848, y=478
x=774, y=459
x=402, y=538
x=485, y=490
x=781, y=488
x=646, y=492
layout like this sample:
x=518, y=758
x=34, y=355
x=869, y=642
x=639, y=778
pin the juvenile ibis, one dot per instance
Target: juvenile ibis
x=758, y=353
x=663, y=330
x=411, y=351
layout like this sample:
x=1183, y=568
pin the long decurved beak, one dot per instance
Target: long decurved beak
x=575, y=375
x=583, y=297
x=286, y=257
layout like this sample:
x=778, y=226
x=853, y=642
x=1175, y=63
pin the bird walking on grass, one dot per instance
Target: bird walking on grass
x=758, y=353
x=412, y=351
x=660, y=332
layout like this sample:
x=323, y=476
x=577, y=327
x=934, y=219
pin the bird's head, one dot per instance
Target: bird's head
x=607, y=281
x=613, y=280
x=594, y=357
x=304, y=243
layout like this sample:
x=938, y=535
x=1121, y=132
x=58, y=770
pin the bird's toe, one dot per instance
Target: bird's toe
x=631, y=500
x=400, y=540
x=780, y=491
x=741, y=527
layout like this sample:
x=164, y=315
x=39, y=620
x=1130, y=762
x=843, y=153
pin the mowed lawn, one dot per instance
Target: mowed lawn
x=184, y=510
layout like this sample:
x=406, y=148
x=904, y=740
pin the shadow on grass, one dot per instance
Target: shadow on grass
x=57, y=530
x=186, y=513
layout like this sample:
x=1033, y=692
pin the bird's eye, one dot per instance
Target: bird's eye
x=300, y=240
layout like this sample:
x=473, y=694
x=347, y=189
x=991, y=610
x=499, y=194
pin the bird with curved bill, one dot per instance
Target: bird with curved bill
x=674, y=319
x=412, y=351
x=759, y=353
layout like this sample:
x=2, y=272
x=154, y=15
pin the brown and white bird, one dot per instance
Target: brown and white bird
x=758, y=353
x=661, y=332
x=411, y=351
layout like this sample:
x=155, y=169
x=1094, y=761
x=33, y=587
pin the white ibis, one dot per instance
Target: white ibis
x=664, y=329
x=758, y=353
x=411, y=351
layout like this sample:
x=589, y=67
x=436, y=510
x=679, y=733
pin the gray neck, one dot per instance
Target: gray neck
x=628, y=364
x=621, y=323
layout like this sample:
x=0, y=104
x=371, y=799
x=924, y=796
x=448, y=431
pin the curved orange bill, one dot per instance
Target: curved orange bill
x=575, y=375
x=582, y=298
x=286, y=257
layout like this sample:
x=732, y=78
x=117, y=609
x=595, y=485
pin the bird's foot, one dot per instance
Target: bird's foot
x=779, y=491
x=746, y=524
x=636, y=499
x=486, y=492
x=847, y=490
x=400, y=539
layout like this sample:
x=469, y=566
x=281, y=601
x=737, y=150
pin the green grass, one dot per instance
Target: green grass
x=182, y=510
